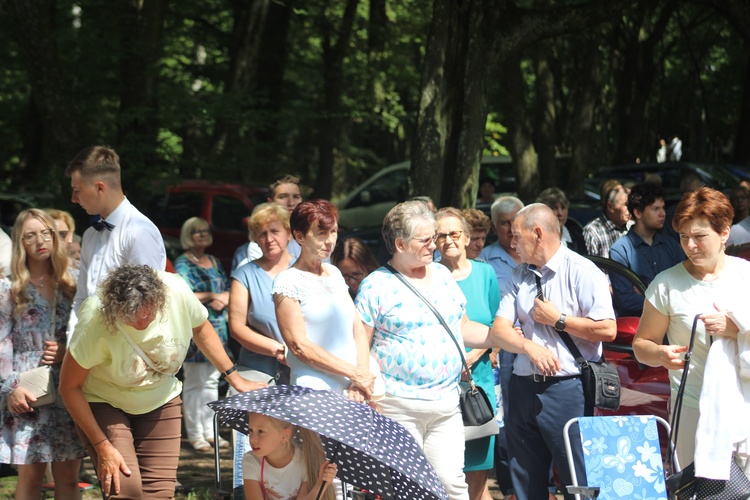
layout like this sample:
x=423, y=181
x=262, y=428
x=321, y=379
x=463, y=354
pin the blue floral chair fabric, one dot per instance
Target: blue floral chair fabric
x=622, y=457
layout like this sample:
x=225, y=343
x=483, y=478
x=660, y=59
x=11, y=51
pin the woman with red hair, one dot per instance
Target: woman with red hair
x=708, y=283
x=328, y=348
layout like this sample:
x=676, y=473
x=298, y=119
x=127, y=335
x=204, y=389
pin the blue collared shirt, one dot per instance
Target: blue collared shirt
x=576, y=286
x=500, y=260
x=644, y=260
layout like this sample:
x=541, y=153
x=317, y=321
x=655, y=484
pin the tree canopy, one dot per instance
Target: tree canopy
x=335, y=90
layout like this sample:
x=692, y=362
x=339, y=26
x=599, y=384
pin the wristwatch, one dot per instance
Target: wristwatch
x=560, y=325
x=228, y=372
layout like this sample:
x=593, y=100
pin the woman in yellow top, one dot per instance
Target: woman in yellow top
x=118, y=377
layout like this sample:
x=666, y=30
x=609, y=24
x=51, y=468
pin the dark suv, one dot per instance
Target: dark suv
x=670, y=173
x=225, y=207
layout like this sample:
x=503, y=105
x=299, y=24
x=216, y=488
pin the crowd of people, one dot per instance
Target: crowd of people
x=311, y=309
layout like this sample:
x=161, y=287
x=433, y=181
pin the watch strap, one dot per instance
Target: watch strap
x=228, y=372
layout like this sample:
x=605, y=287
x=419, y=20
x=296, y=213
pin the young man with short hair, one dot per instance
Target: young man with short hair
x=644, y=249
x=122, y=235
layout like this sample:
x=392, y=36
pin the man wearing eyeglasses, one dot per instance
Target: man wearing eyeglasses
x=122, y=235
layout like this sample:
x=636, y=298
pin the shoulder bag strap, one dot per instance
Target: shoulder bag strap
x=140, y=352
x=565, y=336
x=436, y=313
x=54, y=313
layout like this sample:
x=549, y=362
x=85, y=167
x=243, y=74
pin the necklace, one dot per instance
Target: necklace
x=40, y=282
x=707, y=277
x=192, y=257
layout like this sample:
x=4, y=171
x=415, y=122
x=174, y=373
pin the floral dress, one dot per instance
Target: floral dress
x=47, y=434
x=200, y=279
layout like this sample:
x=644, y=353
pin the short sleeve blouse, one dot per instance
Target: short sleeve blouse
x=328, y=313
x=417, y=358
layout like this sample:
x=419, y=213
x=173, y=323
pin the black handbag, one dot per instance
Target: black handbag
x=475, y=405
x=686, y=486
x=683, y=484
x=601, y=383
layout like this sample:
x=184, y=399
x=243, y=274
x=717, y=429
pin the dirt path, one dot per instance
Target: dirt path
x=196, y=473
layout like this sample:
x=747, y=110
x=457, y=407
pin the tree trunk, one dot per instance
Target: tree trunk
x=447, y=136
x=462, y=192
x=269, y=81
x=545, y=136
x=141, y=44
x=52, y=105
x=429, y=153
x=636, y=81
x=247, y=30
x=583, y=104
x=519, y=129
x=330, y=131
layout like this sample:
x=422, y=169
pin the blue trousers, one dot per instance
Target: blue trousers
x=535, y=422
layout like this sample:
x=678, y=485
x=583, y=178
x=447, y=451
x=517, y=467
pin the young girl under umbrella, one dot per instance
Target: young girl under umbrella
x=280, y=466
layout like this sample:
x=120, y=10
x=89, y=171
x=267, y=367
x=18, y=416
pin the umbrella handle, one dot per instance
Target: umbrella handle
x=320, y=491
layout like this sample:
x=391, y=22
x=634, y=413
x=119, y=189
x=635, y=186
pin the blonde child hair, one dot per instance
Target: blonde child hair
x=311, y=446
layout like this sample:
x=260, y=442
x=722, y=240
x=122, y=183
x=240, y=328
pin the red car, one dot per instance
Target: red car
x=644, y=389
x=225, y=207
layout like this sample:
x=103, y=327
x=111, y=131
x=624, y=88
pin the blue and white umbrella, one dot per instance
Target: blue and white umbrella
x=372, y=452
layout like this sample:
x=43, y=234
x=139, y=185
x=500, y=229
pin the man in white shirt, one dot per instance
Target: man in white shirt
x=123, y=235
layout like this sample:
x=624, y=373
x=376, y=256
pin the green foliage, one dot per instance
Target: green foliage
x=698, y=62
x=494, y=133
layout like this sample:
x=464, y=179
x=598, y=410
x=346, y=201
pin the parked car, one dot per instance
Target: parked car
x=644, y=389
x=365, y=207
x=225, y=207
x=671, y=174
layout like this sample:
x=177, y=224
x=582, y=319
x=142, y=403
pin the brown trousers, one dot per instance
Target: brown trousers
x=150, y=445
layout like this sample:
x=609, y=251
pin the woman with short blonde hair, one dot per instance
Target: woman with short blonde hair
x=206, y=277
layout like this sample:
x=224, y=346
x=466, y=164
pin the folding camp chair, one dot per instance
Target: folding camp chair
x=622, y=457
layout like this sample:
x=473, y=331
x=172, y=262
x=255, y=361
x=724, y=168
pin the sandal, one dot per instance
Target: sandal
x=200, y=444
x=223, y=443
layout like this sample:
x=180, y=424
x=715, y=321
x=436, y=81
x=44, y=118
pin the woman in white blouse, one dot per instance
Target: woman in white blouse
x=328, y=348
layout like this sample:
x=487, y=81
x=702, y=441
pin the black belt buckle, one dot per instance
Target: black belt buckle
x=538, y=377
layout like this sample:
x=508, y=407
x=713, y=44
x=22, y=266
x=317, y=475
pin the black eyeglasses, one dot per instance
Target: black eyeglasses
x=453, y=234
x=200, y=231
x=354, y=276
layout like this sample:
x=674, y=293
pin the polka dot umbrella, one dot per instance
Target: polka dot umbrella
x=372, y=452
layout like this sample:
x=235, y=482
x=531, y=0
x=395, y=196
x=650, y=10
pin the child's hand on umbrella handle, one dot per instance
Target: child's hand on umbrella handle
x=327, y=472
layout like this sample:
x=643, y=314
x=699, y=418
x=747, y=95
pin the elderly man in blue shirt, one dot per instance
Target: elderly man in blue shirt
x=554, y=290
x=644, y=249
